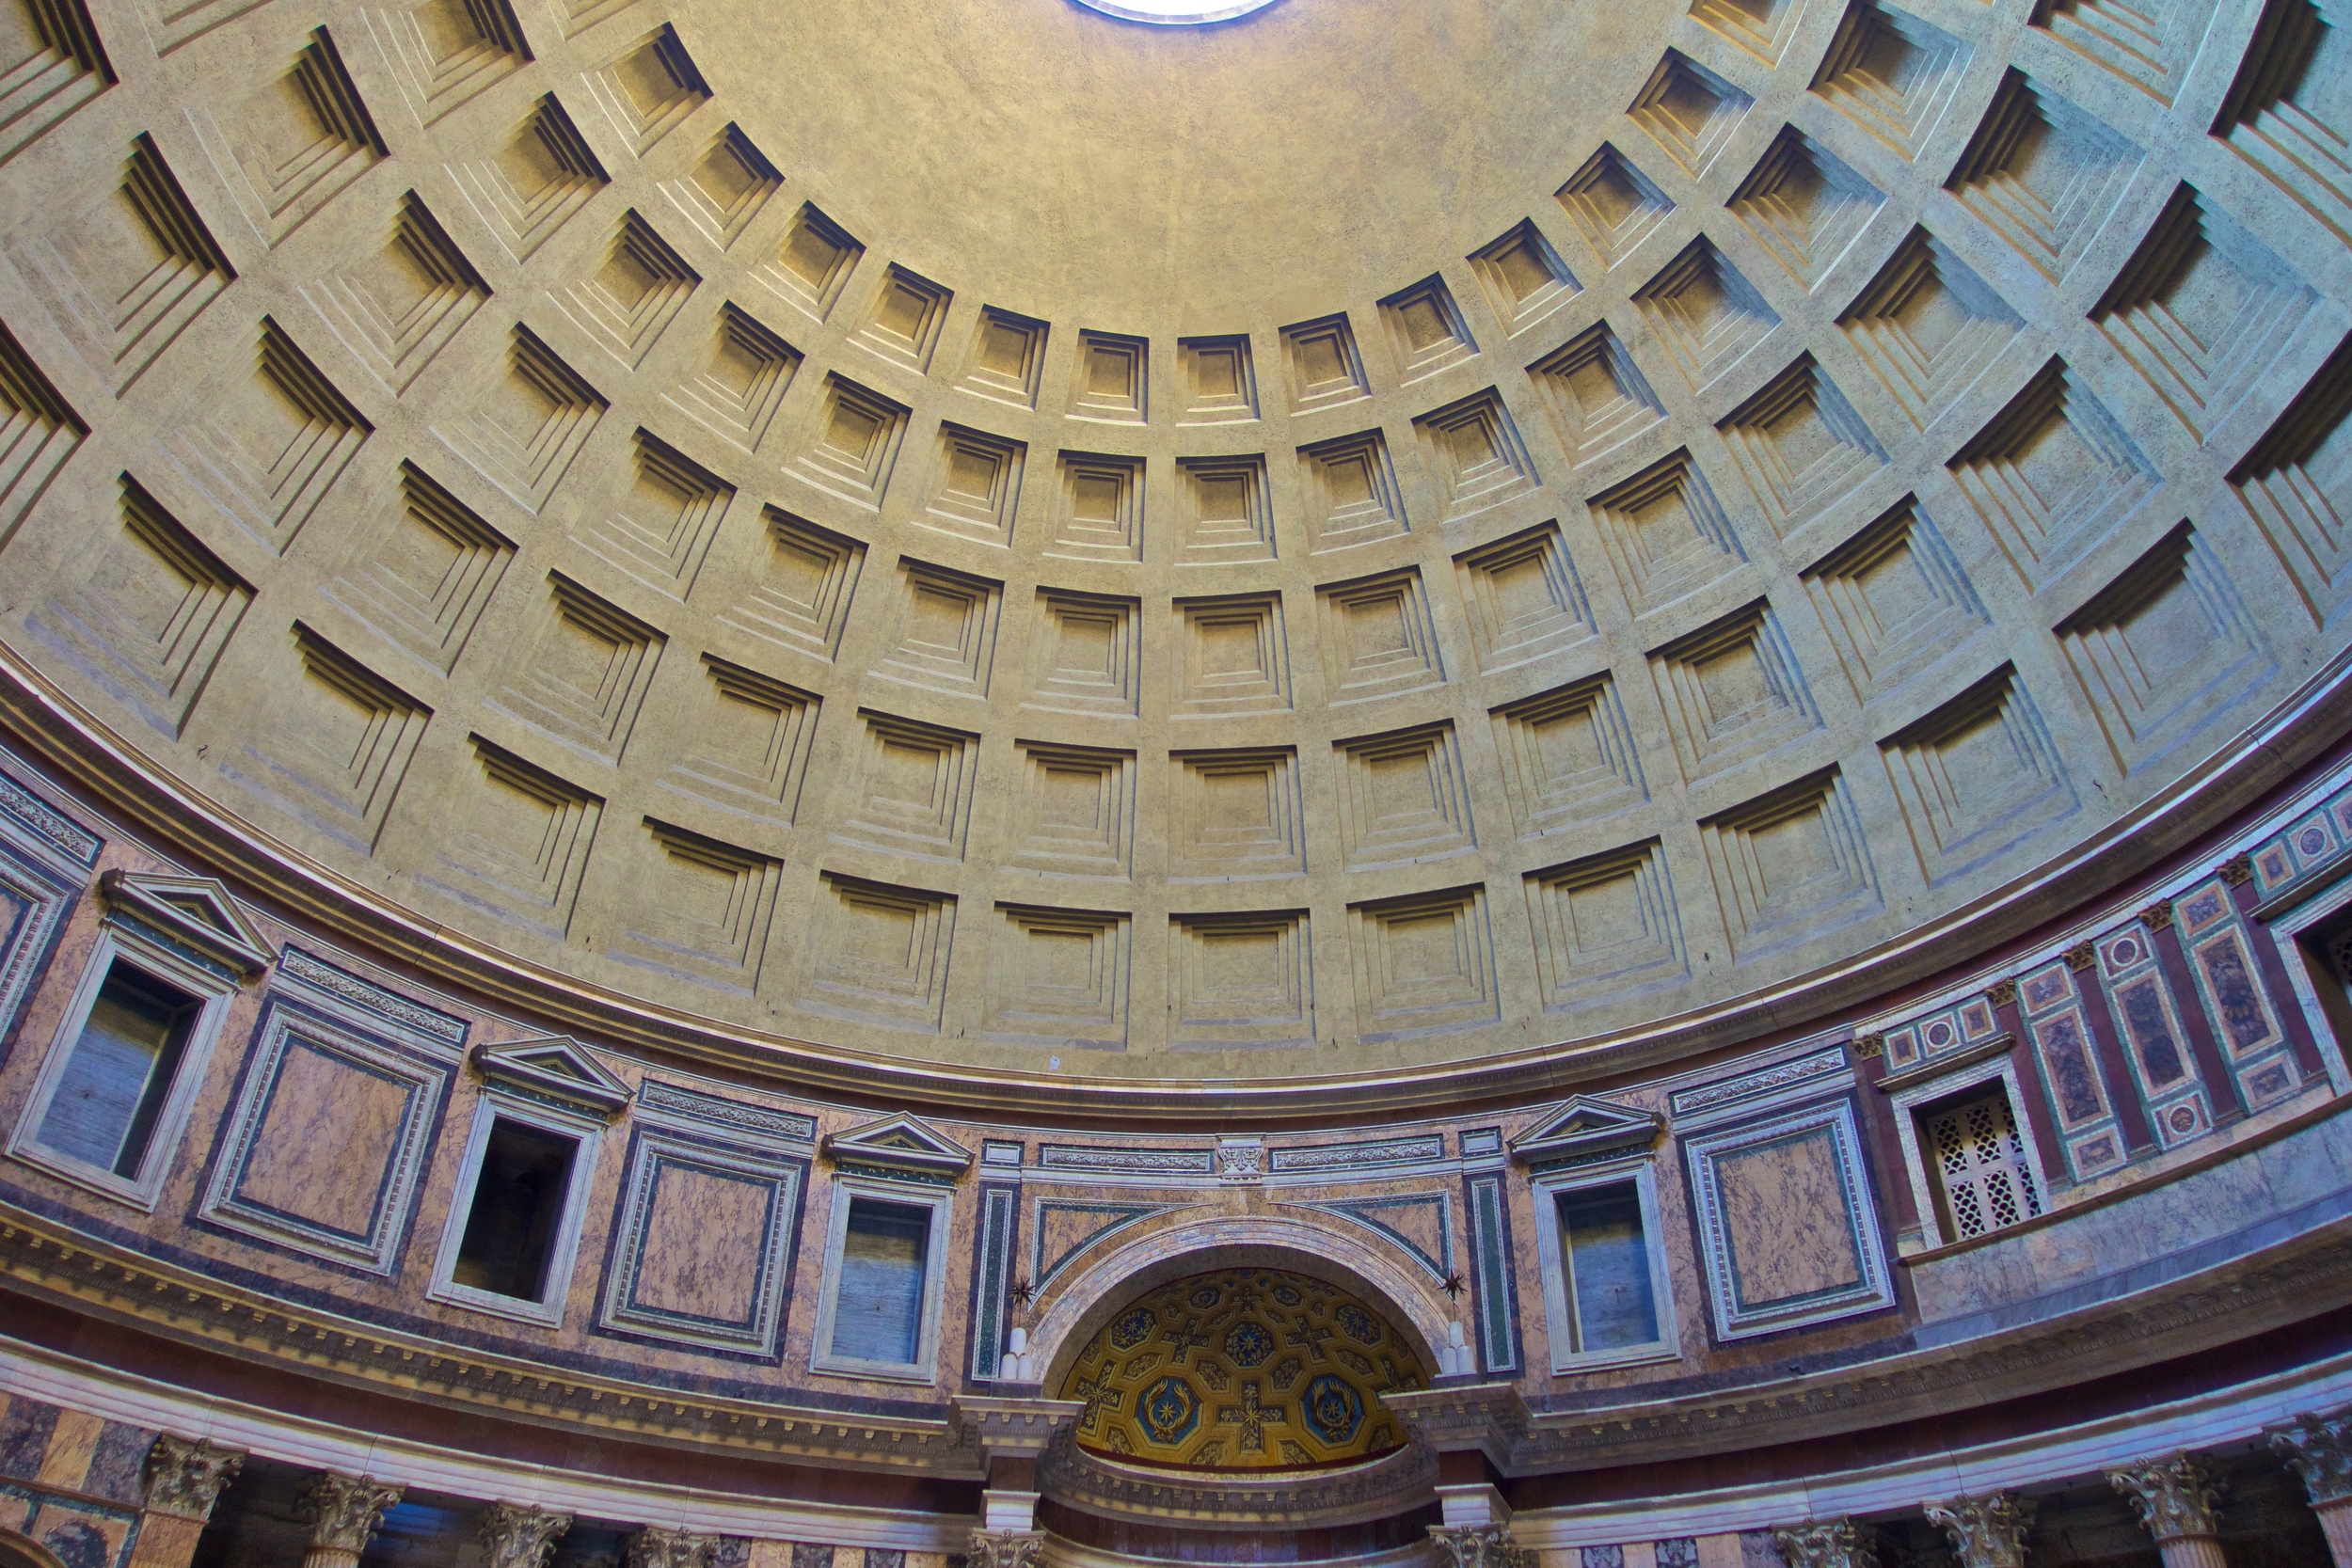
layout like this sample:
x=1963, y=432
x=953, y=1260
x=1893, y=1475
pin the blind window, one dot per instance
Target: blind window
x=878, y=1307
x=519, y=1194
x=1605, y=1254
x=120, y=1071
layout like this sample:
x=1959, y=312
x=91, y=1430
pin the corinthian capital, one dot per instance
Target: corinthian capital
x=1827, y=1543
x=343, y=1511
x=185, y=1474
x=2318, y=1449
x=1004, y=1549
x=2174, y=1497
x=1987, y=1531
x=1480, y=1546
x=519, y=1536
x=655, y=1548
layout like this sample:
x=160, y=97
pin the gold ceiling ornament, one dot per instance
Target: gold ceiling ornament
x=1243, y=1370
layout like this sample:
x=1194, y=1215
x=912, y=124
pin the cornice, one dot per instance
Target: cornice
x=55, y=1263
x=127, y=783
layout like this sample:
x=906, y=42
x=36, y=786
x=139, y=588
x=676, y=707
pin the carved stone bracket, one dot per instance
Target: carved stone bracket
x=2001, y=992
x=2237, y=870
x=2174, y=1497
x=1827, y=1543
x=1987, y=1531
x=520, y=1536
x=2319, y=1450
x=2158, y=915
x=2081, y=956
x=185, y=1474
x=1004, y=1549
x=1480, y=1546
x=656, y=1547
x=342, y=1512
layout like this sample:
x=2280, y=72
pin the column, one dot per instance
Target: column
x=519, y=1536
x=183, y=1478
x=342, y=1512
x=1987, y=1531
x=2175, y=1499
x=656, y=1547
x=2319, y=1450
x=1827, y=1543
x=1013, y=1434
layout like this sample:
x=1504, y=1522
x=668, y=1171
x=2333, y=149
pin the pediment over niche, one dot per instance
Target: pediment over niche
x=900, y=1143
x=553, y=1067
x=196, y=913
x=1583, y=1127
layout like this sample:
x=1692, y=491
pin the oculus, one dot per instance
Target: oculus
x=1176, y=14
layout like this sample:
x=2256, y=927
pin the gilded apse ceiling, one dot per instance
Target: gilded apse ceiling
x=1244, y=1370
x=1028, y=554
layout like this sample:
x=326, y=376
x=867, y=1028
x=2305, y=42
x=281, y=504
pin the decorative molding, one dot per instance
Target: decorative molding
x=657, y=1548
x=758, y=1254
x=2158, y=915
x=2174, y=1498
x=515, y=1535
x=1373, y=1154
x=194, y=915
x=1366, y=1212
x=903, y=1145
x=1987, y=1531
x=342, y=1512
x=1241, y=1160
x=1127, y=1161
x=1755, y=1085
x=1937, y=1066
x=2081, y=956
x=52, y=827
x=553, y=1067
x=2237, y=870
x=185, y=1474
x=1870, y=1048
x=1826, y=1543
x=2318, y=1449
x=1822, y=1142
x=1282, y=1500
x=1004, y=1549
x=1115, y=1217
x=296, y=964
x=1584, y=1128
x=2002, y=993
x=1480, y=1546
x=732, y=1114
x=43, y=895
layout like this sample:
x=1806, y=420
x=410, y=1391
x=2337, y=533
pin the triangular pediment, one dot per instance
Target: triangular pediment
x=900, y=1143
x=553, y=1067
x=1583, y=1126
x=197, y=913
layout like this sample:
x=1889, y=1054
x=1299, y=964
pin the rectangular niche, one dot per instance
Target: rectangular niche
x=1075, y=814
x=1088, y=653
x=1378, y=638
x=914, y=788
x=1059, y=977
x=1113, y=378
x=1240, y=982
x=1789, y=866
x=1567, y=757
x=1234, y=815
x=1229, y=656
x=1102, y=509
x=1222, y=511
x=807, y=575
x=878, y=953
x=1351, y=492
x=1607, y=927
x=977, y=486
x=1221, y=384
x=1522, y=599
x=1424, y=964
x=1402, y=797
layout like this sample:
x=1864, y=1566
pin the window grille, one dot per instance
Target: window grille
x=1981, y=1164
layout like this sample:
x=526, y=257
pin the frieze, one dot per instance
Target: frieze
x=1371, y=1155
x=53, y=827
x=1751, y=1086
x=733, y=1114
x=296, y=964
x=1110, y=1160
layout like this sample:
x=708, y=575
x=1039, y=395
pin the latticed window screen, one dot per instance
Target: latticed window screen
x=1980, y=1161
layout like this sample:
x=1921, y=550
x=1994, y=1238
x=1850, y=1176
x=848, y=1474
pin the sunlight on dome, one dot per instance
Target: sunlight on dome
x=1181, y=13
